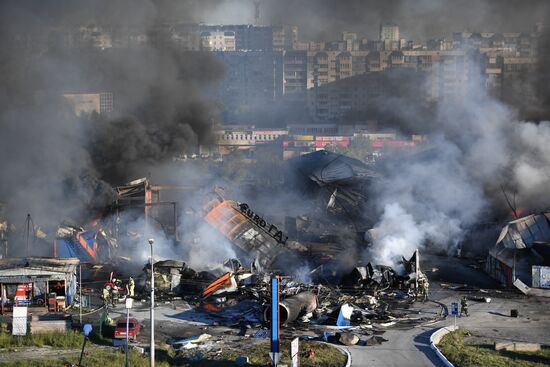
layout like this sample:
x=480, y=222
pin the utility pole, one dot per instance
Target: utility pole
x=152, y=342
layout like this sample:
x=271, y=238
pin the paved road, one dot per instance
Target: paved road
x=489, y=322
x=492, y=321
x=404, y=348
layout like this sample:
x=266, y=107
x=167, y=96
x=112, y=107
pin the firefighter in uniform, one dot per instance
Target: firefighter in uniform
x=419, y=290
x=464, y=306
x=426, y=289
x=105, y=296
x=131, y=285
x=423, y=289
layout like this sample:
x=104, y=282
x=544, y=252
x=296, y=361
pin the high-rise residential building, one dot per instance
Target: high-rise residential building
x=247, y=37
x=329, y=66
x=389, y=32
x=449, y=77
x=186, y=37
x=93, y=36
x=253, y=80
x=516, y=80
x=351, y=42
x=361, y=94
x=218, y=41
x=341, y=83
x=285, y=37
x=295, y=73
x=85, y=103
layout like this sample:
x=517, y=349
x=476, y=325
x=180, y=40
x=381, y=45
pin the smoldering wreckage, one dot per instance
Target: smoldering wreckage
x=320, y=290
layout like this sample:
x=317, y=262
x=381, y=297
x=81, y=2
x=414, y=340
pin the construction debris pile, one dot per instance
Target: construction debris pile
x=366, y=301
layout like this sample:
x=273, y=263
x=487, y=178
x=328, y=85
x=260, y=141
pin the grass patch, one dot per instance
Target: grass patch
x=463, y=354
x=93, y=357
x=325, y=356
x=97, y=355
x=105, y=338
x=56, y=339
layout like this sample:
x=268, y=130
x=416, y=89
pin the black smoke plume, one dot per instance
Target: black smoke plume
x=56, y=165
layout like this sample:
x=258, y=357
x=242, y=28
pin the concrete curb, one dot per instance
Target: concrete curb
x=348, y=354
x=436, y=337
x=342, y=350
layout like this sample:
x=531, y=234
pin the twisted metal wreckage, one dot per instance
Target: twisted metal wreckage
x=232, y=294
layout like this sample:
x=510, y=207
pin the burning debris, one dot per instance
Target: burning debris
x=93, y=245
x=341, y=182
x=251, y=234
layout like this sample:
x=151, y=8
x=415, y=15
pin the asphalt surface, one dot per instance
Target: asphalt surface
x=405, y=347
x=489, y=322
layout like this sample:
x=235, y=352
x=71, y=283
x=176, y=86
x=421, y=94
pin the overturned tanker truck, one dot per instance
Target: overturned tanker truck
x=250, y=233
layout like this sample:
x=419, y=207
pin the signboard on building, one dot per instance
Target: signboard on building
x=541, y=276
x=19, y=326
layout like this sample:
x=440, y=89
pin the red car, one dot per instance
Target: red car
x=133, y=328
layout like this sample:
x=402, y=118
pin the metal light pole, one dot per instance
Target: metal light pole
x=127, y=331
x=129, y=303
x=152, y=342
x=80, y=291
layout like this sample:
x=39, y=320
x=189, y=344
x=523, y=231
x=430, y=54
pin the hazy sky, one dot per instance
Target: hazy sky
x=317, y=19
x=320, y=19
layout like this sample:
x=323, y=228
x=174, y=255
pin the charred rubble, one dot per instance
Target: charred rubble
x=321, y=283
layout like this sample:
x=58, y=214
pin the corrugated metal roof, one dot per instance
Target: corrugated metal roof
x=38, y=264
x=524, y=232
x=324, y=167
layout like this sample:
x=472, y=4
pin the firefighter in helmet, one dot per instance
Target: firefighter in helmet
x=105, y=295
x=130, y=286
x=464, y=306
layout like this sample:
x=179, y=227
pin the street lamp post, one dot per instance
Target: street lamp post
x=80, y=291
x=129, y=304
x=152, y=347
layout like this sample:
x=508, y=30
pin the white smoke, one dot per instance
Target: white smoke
x=203, y=249
x=141, y=231
x=398, y=233
x=208, y=249
x=477, y=146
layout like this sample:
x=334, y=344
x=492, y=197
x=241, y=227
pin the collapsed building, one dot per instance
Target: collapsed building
x=141, y=199
x=94, y=245
x=522, y=251
x=251, y=234
x=37, y=281
x=341, y=182
x=110, y=237
x=173, y=277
